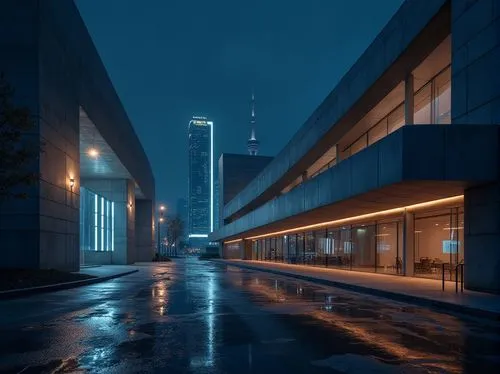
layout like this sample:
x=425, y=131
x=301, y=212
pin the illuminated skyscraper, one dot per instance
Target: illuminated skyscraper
x=201, y=181
x=253, y=143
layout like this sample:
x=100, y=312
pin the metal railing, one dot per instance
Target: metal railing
x=459, y=275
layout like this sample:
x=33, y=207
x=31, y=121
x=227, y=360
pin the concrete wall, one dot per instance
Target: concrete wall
x=20, y=219
x=475, y=61
x=451, y=155
x=144, y=233
x=482, y=238
x=50, y=59
x=235, y=173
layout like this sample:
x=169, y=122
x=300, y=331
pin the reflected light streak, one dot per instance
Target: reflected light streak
x=211, y=319
x=383, y=344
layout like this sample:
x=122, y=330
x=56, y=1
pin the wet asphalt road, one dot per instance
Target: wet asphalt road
x=198, y=317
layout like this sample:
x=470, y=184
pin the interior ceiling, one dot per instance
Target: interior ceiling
x=106, y=165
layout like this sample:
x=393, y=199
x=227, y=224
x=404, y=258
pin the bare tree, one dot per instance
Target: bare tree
x=16, y=154
x=175, y=231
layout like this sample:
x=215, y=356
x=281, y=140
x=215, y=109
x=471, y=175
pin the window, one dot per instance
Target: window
x=396, y=119
x=377, y=132
x=359, y=145
x=442, y=97
x=422, y=112
x=97, y=222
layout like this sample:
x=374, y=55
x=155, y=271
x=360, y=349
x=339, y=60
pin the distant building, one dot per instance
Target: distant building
x=182, y=213
x=253, y=143
x=216, y=204
x=200, y=181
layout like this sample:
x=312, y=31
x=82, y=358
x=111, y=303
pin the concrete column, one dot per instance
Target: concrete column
x=408, y=244
x=122, y=193
x=482, y=238
x=409, y=100
x=144, y=233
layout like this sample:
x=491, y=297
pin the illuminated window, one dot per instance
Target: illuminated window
x=96, y=222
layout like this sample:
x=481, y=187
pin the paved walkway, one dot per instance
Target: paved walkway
x=403, y=288
x=107, y=270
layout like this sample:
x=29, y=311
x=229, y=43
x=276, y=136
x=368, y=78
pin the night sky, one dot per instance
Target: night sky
x=171, y=59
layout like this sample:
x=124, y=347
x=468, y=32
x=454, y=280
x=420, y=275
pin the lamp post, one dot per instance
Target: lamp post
x=160, y=221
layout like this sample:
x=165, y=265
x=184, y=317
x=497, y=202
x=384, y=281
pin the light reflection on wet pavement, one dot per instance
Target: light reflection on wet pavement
x=191, y=316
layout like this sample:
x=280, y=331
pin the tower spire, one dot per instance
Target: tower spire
x=252, y=143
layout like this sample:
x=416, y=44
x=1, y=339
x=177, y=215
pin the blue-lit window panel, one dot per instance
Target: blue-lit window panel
x=102, y=223
x=112, y=226
x=108, y=224
x=96, y=222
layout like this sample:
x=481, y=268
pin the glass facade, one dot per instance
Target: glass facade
x=376, y=246
x=97, y=222
x=371, y=247
x=438, y=243
x=200, y=180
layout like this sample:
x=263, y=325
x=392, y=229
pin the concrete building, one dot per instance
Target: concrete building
x=201, y=181
x=94, y=199
x=396, y=171
x=182, y=213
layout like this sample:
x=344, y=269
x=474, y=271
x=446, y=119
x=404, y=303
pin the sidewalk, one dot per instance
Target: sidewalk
x=101, y=273
x=420, y=291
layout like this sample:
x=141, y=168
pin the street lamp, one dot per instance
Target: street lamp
x=160, y=221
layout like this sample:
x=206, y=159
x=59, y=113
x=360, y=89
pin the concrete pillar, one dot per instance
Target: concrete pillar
x=409, y=100
x=408, y=245
x=122, y=193
x=144, y=233
x=482, y=238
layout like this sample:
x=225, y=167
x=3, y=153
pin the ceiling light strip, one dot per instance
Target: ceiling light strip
x=427, y=204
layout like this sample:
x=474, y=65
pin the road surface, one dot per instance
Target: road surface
x=191, y=316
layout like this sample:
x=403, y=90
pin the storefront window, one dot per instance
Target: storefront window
x=363, y=248
x=438, y=243
x=279, y=249
x=292, y=247
x=301, y=248
x=389, y=259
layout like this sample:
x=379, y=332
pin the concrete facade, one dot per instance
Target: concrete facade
x=402, y=171
x=235, y=172
x=50, y=59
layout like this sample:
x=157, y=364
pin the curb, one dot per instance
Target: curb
x=14, y=294
x=416, y=300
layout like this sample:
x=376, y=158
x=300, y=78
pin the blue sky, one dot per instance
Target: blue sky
x=171, y=59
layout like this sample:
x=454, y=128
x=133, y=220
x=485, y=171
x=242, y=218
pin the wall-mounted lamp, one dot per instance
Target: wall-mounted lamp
x=93, y=152
x=130, y=205
x=71, y=183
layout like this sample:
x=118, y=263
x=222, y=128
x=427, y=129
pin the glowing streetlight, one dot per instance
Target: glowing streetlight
x=160, y=221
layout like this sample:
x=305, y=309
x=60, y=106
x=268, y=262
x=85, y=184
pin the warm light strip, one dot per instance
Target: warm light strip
x=233, y=241
x=448, y=200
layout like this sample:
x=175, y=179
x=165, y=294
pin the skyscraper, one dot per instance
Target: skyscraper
x=253, y=143
x=182, y=213
x=201, y=181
